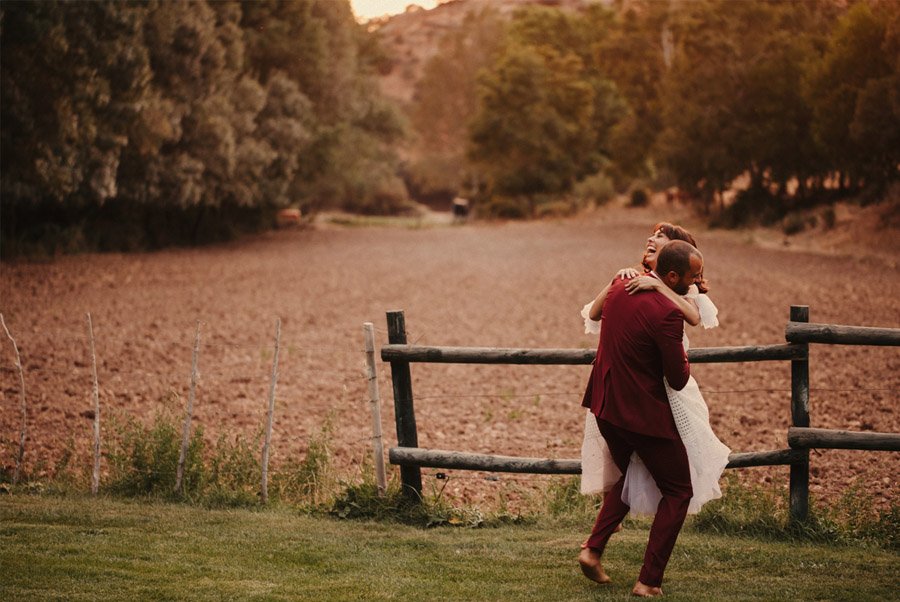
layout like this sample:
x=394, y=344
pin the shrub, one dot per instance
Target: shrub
x=434, y=180
x=376, y=194
x=311, y=479
x=558, y=208
x=744, y=510
x=503, y=207
x=597, y=189
x=361, y=501
x=793, y=224
x=751, y=206
x=757, y=511
x=234, y=473
x=143, y=460
x=639, y=197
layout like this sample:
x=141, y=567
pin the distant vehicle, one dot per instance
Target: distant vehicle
x=287, y=217
x=460, y=209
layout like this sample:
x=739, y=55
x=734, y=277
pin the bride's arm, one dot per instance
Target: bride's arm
x=687, y=306
x=597, y=305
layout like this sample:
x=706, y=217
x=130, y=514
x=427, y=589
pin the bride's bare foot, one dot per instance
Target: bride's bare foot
x=646, y=591
x=589, y=560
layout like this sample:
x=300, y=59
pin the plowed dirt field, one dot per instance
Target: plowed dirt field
x=479, y=284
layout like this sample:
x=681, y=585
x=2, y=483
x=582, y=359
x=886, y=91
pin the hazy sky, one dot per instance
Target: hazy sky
x=366, y=9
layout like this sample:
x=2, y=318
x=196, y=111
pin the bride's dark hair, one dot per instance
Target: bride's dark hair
x=678, y=233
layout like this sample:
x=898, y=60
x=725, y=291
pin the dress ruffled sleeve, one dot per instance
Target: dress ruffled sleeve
x=590, y=326
x=708, y=310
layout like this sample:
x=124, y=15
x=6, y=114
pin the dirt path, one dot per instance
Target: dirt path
x=515, y=285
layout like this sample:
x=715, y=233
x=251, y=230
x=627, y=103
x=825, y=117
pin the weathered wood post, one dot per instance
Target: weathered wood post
x=95, y=475
x=375, y=404
x=269, y=414
x=20, y=456
x=404, y=413
x=799, y=511
x=188, y=413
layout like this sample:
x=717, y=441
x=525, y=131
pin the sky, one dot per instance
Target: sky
x=366, y=9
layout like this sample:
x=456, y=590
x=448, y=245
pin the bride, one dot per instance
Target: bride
x=707, y=455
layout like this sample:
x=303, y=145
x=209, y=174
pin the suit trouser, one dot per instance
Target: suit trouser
x=666, y=460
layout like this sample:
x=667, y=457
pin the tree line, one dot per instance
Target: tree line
x=131, y=125
x=143, y=124
x=802, y=98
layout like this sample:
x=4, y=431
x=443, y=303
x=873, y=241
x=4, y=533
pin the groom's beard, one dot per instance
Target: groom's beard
x=681, y=288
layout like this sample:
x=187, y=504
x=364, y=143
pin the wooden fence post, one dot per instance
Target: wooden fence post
x=375, y=403
x=799, y=486
x=20, y=456
x=189, y=411
x=95, y=475
x=404, y=413
x=269, y=413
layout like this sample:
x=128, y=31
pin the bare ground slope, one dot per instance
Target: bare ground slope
x=506, y=285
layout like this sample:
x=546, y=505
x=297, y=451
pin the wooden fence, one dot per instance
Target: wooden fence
x=799, y=333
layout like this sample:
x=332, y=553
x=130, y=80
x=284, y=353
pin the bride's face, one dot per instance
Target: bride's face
x=654, y=244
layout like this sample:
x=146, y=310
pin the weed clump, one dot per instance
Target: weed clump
x=756, y=511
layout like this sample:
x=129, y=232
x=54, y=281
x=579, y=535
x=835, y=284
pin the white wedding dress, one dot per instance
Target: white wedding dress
x=707, y=455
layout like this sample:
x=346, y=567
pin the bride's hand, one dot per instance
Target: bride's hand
x=642, y=283
x=627, y=273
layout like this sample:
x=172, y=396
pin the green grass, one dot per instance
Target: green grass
x=368, y=221
x=78, y=548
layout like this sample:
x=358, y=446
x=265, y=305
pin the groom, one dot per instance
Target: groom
x=641, y=343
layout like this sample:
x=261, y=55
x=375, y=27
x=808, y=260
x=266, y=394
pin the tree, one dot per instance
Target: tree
x=529, y=134
x=852, y=94
x=733, y=99
x=544, y=112
x=68, y=94
x=632, y=55
x=697, y=142
x=128, y=125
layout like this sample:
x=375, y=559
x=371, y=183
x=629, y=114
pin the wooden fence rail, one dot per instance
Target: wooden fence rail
x=439, y=458
x=799, y=333
x=805, y=438
x=492, y=355
x=835, y=334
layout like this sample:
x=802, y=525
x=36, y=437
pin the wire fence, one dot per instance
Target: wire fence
x=244, y=364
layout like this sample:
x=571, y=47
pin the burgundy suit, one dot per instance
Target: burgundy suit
x=640, y=343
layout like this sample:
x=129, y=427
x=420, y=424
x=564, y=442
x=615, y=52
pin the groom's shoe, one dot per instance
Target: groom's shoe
x=589, y=560
x=646, y=591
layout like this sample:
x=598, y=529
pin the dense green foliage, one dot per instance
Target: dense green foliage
x=136, y=124
x=129, y=125
x=545, y=109
x=801, y=97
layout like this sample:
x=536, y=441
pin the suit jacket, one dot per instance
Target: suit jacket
x=640, y=343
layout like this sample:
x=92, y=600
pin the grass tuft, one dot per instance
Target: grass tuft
x=761, y=512
x=142, y=462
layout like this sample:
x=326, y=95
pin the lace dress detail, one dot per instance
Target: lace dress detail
x=707, y=456
x=590, y=326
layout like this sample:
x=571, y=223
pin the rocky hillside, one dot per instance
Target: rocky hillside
x=412, y=38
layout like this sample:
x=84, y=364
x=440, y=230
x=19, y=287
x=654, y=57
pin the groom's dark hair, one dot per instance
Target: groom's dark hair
x=675, y=256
